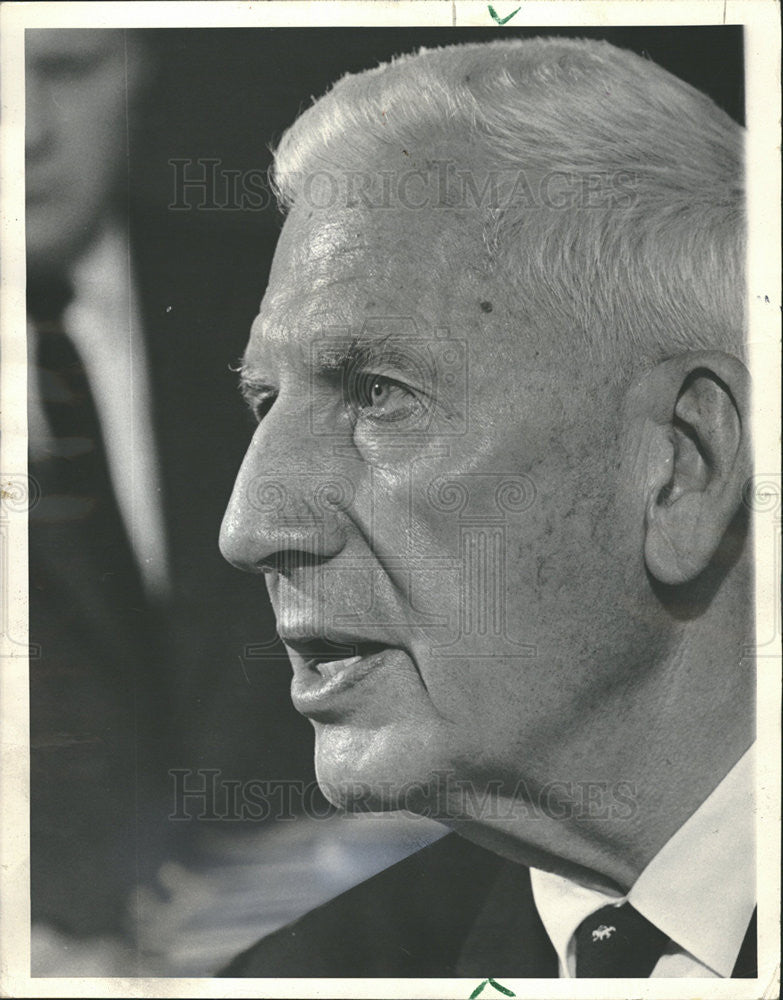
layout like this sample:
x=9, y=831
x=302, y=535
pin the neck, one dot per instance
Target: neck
x=663, y=748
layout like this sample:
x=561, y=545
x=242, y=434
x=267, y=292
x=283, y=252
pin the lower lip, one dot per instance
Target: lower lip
x=317, y=691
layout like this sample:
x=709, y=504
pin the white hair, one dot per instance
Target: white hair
x=654, y=270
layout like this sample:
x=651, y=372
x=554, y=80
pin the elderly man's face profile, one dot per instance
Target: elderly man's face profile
x=497, y=483
x=448, y=547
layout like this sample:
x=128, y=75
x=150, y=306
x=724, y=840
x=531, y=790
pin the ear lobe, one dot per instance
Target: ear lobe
x=701, y=465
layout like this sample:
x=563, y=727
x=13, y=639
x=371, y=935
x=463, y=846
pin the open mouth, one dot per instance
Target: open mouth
x=327, y=665
x=321, y=673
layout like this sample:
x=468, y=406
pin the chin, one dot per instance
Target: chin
x=376, y=771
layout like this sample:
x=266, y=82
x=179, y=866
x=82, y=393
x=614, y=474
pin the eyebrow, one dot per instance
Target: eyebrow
x=334, y=353
x=338, y=356
x=371, y=350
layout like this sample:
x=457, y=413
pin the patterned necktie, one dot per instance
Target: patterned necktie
x=617, y=942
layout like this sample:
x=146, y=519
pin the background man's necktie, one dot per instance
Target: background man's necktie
x=78, y=511
x=617, y=942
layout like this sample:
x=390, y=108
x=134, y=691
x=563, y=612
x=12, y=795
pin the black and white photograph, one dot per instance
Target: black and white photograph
x=391, y=499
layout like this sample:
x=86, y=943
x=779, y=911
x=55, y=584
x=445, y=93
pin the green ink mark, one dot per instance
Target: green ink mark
x=491, y=982
x=501, y=20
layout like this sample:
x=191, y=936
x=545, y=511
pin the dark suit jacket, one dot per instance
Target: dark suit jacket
x=452, y=909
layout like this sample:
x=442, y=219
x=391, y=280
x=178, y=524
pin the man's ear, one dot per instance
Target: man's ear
x=697, y=409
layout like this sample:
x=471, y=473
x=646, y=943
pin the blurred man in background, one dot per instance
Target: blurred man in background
x=137, y=634
x=99, y=569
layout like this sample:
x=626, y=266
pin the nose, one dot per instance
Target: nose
x=288, y=506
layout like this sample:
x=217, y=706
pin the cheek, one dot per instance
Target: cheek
x=571, y=574
x=554, y=548
x=413, y=538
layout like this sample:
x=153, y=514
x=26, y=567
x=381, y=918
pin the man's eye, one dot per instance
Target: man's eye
x=378, y=397
x=380, y=391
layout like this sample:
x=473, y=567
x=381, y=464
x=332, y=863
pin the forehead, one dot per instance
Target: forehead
x=335, y=270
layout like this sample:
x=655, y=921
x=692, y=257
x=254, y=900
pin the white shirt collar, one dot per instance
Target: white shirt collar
x=699, y=889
